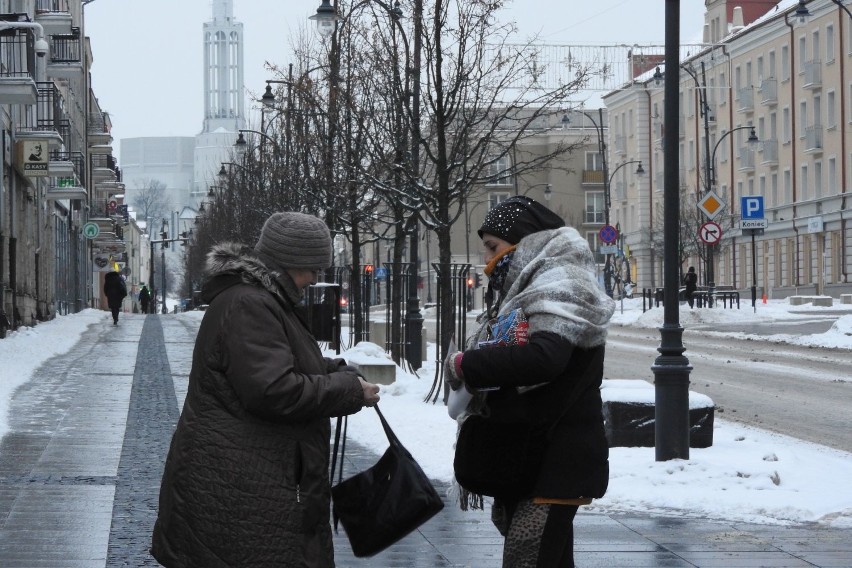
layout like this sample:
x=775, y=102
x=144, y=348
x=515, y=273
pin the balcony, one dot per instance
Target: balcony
x=813, y=139
x=99, y=128
x=66, y=188
x=104, y=168
x=769, y=153
x=65, y=60
x=17, y=68
x=746, y=157
x=769, y=92
x=54, y=16
x=593, y=177
x=46, y=119
x=812, y=73
x=745, y=99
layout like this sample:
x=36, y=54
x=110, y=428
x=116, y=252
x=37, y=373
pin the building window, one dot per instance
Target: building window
x=595, y=212
x=830, y=113
x=495, y=198
x=594, y=245
x=788, y=187
x=774, y=189
x=785, y=63
x=829, y=44
x=831, y=188
x=805, y=193
x=785, y=126
x=497, y=172
x=594, y=161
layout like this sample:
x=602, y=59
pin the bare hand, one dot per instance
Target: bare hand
x=371, y=392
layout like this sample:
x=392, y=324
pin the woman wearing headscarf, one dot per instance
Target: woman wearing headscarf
x=552, y=374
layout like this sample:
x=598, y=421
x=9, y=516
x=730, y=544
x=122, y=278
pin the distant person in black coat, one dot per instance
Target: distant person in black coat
x=144, y=298
x=115, y=290
x=690, y=280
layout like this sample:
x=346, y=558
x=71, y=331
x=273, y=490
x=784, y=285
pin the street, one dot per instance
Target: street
x=802, y=392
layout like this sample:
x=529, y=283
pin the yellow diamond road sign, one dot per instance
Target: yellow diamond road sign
x=711, y=205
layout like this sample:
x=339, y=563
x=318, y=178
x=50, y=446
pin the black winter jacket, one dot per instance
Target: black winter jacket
x=576, y=463
x=551, y=278
x=246, y=478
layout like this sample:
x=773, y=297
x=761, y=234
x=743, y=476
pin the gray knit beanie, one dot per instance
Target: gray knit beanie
x=295, y=240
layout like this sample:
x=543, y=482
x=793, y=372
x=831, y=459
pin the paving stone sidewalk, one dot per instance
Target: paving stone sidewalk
x=81, y=464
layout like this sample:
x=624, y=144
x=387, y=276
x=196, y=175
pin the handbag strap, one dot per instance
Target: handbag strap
x=392, y=439
x=340, y=442
x=342, y=425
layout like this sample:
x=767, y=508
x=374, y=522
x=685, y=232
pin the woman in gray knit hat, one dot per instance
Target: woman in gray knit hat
x=246, y=478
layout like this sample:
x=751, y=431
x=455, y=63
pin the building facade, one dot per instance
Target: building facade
x=790, y=80
x=60, y=192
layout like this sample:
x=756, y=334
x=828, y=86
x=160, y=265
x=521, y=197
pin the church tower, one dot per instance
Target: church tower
x=224, y=97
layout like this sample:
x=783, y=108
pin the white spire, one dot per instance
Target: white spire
x=223, y=10
x=224, y=105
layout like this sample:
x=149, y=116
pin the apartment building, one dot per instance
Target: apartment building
x=61, y=198
x=784, y=77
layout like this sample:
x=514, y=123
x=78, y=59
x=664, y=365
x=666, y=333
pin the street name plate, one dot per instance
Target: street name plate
x=753, y=224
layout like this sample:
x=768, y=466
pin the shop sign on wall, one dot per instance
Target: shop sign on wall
x=32, y=158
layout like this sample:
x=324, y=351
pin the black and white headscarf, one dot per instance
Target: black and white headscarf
x=551, y=277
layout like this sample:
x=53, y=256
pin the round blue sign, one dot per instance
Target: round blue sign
x=608, y=234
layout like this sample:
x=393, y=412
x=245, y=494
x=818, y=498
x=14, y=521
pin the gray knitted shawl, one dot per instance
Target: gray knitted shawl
x=552, y=279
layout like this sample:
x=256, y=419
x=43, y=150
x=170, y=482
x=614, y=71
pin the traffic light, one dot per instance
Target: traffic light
x=183, y=236
x=368, y=269
x=477, y=278
x=164, y=237
x=470, y=282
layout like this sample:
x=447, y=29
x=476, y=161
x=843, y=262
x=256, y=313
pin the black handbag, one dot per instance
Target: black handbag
x=499, y=458
x=384, y=503
x=500, y=455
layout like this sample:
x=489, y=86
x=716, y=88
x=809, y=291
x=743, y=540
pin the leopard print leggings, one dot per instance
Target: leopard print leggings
x=539, y=536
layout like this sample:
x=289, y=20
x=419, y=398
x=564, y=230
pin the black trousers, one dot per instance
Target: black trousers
x=115, y=314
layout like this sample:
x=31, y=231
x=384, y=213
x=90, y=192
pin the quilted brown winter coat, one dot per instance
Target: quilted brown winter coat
x=246, y=478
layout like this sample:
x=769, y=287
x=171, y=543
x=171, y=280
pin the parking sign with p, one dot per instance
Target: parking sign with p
x=752, y=207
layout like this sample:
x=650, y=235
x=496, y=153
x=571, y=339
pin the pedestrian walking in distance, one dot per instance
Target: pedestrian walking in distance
x=690, y=281
x=246, y=478
x=144, y=298
x=547, y=378
x=115, y=290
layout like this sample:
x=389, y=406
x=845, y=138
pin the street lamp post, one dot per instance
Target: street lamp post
x=241, y=144
x=165, y=235
x=609, y=269
x=752, y=141
x=326, y=18
x=153, y=303
x=599, y=130
x=704, y=111
x=671, y=369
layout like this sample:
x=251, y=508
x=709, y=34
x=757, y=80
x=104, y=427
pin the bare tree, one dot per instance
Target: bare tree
x=150, y=199
x=690, y=244
x=484, y=101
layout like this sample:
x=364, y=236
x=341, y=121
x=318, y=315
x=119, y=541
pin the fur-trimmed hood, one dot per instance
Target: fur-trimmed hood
x=234, y=263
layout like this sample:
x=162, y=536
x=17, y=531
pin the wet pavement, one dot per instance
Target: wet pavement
x=81, y=464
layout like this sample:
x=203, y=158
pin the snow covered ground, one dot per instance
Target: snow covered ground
x=747, y=475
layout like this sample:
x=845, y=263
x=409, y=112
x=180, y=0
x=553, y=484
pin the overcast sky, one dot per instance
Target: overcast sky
x=147, y=70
